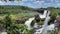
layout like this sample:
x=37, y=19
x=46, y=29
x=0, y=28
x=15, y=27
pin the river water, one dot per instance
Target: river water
x=44, y=28
x=28, y=22
x=45, y=24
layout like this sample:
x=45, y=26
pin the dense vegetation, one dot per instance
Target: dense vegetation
x=52, y=32
x=14, y=9
x=13, y=28
x=11, y=14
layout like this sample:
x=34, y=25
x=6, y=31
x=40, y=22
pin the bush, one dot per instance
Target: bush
x=52, y=32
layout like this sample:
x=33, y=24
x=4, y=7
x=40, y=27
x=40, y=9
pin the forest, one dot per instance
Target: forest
x=12, y=18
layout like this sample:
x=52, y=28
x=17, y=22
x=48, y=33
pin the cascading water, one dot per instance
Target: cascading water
x=43, y=15
x=43, y=29
x=28, y=22
x=45, y=26
x=3, y=33
x=49, y=27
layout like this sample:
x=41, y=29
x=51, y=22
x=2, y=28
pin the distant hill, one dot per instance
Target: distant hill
x=14, y=9
x=24, y=9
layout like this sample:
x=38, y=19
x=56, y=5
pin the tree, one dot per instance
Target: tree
x=13, y=28
x=1, y=25
x=52, y=31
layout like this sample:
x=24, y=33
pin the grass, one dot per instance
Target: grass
x=54, y=11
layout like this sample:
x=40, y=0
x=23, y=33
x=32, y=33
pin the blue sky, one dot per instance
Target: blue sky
x=35, y=3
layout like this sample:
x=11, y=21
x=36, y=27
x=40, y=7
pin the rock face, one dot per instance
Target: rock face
x=20, y=21
x=58, y=18
x=37, y=18
x=40, y=11
x=57, y=23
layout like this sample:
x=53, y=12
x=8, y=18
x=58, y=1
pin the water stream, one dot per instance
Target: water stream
x=44, y=28
x=28, y=22
x=45, y=24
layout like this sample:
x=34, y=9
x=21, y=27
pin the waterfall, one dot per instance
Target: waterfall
x=28, y=22
x=35, y=25
x=49, y=27
x=43, y=15
x=45, y=26
x=3, y=33
x=46, y=23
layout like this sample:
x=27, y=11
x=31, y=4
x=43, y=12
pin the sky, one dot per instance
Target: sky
x=34, y=3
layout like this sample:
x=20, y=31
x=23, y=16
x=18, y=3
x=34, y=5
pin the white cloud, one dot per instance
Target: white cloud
x=0, y=1
x=34, y=3
x=39, y=2
x=24, y=0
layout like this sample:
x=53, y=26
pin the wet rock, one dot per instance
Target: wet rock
x=40, y=11
x=37, y=18
x=22, y=21
x=57, y=23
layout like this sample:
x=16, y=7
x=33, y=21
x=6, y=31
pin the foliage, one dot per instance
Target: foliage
x=2, y=24
x=18, y=12
x=52, y=32
x=32, y=23
x=29, y=31
x=36, y=20
x=13, y=28
x=14, y=9
x=52, y=19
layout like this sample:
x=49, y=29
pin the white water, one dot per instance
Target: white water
x=28, y=22
x=46, y=24
x=3, y=33
x=45, y=27
x=35, y=25
x=50, y=27
x=43, y=15
x=43, y=30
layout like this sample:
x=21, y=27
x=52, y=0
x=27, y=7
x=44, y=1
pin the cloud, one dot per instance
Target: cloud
x=34, y=3
x=24, y=0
